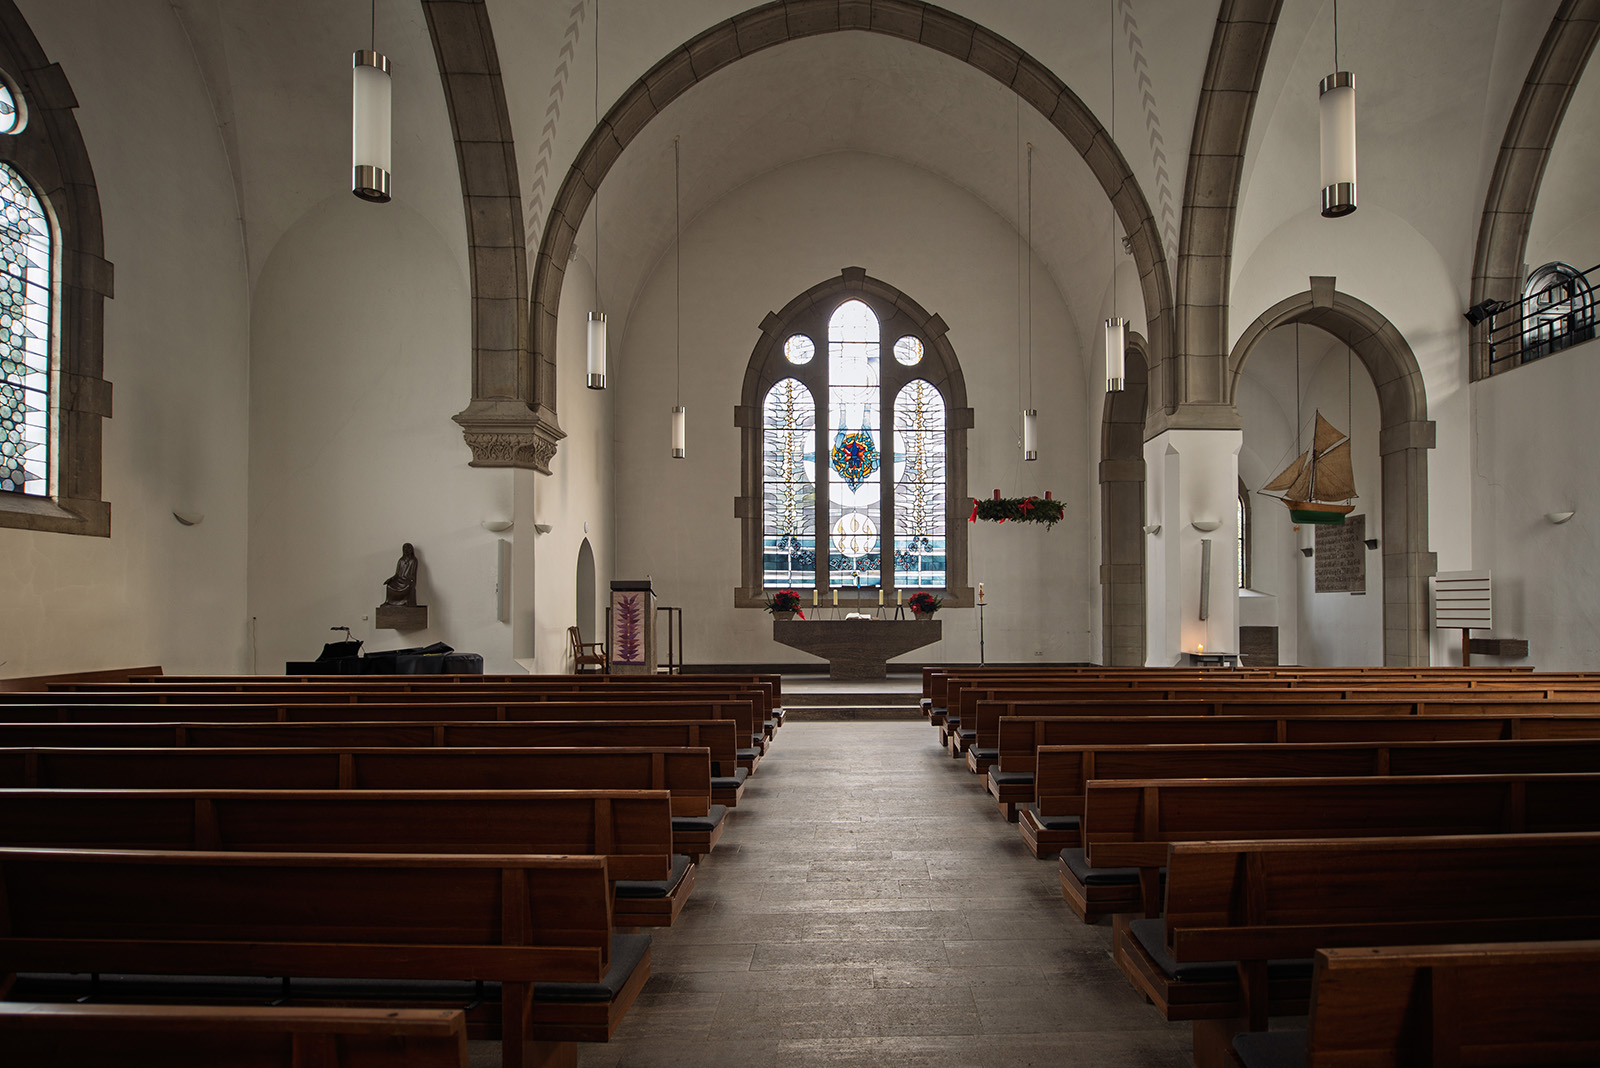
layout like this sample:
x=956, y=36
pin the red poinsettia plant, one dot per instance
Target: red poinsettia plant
x=785, y=601
x=924, y=603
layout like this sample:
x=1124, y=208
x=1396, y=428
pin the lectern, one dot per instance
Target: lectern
x=632, y=647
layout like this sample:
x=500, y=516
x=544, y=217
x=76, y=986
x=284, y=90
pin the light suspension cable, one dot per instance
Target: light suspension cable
x=1116, y=327
x=1030, y=416
x=597, y=318
x=370, y=124
x=1336, y=114
x=678, y=427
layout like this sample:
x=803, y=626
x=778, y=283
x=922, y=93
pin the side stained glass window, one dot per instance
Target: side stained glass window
x=919, y=486
x=789, y=505
x=25, y=372
x=855, y=491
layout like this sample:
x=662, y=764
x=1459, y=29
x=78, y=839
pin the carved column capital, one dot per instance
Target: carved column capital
x=502, y=434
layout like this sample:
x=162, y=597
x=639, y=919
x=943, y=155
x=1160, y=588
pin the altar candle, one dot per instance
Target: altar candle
x=813, y=598
x=897, y=597
x=836, y=598
x=980, y=593
x=880, y=597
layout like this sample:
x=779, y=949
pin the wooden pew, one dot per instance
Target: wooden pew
x=515, y=920
x=1012, y=784
x=1130, y=824
x=719, y=736
x=50, y=1035
x=1255, y=902
x=684, y=772
x=1524, y=1003
x=418, y=708
x=631, y=829
x=1063, y=772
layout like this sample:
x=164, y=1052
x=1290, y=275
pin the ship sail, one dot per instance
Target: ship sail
x=1317, y=478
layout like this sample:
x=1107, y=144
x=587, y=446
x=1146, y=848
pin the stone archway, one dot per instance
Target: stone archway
x=511, y=420
x=1405, y=437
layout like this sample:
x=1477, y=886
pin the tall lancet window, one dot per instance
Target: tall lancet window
x=26, y=376
x=855, y=427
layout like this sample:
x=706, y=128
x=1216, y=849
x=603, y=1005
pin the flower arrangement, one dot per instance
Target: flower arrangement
x=924, y=603
x=785, y=601
x=1018, y=510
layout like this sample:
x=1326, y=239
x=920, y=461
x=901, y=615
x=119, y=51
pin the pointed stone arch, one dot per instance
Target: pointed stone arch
x=1405, y=436
x=511, y=420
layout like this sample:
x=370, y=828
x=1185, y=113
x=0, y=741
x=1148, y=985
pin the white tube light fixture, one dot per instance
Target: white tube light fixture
x=1116, y=354
x=597, y=350
x=1030, y=434
x=1336, y=108
x=370, y=124
x=678, y=432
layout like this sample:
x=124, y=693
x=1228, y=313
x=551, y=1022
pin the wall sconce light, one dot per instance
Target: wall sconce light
x=1559, y=517
x=191, y=519
x=1206, y=526
x=497, y=525
x=1372, y=543
x=545, y=528
x=1153, y=528
x=1307, y=551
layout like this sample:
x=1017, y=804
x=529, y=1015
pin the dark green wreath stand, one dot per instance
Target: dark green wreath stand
x=1000, y=509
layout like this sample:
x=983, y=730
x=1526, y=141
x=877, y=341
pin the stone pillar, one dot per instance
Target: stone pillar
x=1193, y=476
x=1407, y=562
x=632, y=641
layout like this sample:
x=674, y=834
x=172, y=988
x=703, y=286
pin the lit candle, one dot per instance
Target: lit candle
x=1199, y=648
x=980, y=593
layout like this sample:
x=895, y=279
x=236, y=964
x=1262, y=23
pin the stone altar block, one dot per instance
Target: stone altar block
x=857, y=648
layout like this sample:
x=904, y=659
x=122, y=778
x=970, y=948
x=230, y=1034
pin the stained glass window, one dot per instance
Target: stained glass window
x=10, y=114
x=919, y=486
x=789, y=504
x=24, y=338
x=908, y=350
x=855, y=490
x=799, y=350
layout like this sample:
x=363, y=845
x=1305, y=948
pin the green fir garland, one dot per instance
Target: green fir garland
x=1018, y=510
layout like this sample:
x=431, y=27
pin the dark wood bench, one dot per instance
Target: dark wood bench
x=719, y=736
x=1127, y=826
x=1011, y=780
x=53, y=1035
x=344, y=927
x=1233, y=907
x=631, y=829
x=1524, y=1003
x=409, y=708
x=684, y=772
x=1062, y=772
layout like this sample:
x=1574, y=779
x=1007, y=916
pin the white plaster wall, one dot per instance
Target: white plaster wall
x=1198, y=483
x=1313, y=628
x=1533, y=453
x=751, y=253
x=575, y=500
x=175, y=353
x=360, y=339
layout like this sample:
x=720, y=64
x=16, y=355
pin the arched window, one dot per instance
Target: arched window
x=855, y=406
x=54, y=280
x=26, y=372
x=1557, y=310
x=1242, y=546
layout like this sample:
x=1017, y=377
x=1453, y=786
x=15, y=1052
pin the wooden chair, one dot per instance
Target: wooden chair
x=585, y=652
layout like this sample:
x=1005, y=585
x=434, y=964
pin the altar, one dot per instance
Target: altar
x=857, y=648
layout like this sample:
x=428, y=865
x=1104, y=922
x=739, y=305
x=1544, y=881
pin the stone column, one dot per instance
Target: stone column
x=1193, y=476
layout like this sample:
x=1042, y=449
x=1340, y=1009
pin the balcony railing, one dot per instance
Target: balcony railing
x=1557, y=313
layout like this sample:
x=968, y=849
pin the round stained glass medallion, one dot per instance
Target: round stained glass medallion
x=10, y=111
x=799, y=349
x=908, y=350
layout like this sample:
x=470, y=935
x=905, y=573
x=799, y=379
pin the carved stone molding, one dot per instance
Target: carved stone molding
x=510, y=435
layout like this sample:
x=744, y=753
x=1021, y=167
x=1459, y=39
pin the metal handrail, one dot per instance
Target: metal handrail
x=1543, y=323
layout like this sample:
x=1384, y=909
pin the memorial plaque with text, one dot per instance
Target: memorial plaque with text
x=1341, y=556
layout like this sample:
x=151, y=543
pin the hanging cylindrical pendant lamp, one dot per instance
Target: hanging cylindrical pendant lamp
x=679, y=432
x=370, y=122
x=1336, y=108
x=1116, y=354
x=597, y=350
x=1030, y=434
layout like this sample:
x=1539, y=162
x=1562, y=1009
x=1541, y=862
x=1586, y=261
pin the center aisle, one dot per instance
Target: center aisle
x=868, y=905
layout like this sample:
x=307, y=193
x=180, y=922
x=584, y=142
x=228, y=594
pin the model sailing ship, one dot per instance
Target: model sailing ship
x=1315, y=483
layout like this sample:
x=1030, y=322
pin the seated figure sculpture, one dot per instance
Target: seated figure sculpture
x=401, y=588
